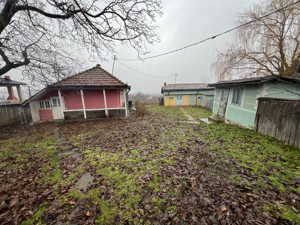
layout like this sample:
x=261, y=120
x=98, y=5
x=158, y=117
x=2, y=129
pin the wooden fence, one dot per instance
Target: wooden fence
x=279, y=118
x=14, y=113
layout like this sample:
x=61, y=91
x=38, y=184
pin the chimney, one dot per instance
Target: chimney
x=11, y=98
x=165, y=84
x=7, y=77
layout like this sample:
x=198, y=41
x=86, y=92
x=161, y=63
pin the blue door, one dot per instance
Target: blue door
x=192, y=100
x=179, y=100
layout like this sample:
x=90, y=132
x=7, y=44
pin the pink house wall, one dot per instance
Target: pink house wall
x=46, y=114
x=113, y=98
x=94, y=99
x=48, y=95
x=72, y=99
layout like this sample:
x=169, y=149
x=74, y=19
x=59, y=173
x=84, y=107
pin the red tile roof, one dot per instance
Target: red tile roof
x=95, y=76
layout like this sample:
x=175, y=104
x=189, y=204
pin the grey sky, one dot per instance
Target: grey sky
x=183, y=23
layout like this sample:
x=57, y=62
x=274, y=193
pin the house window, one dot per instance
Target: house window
x=45, y=104
x=199, y=97
x=171, y=98
x=237, y=97
x=55, y=102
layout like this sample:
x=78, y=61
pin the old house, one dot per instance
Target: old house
x=94, y=93
x=185, y=94
x=237, y=100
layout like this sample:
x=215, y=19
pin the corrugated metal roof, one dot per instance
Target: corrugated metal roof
x=181, y=87
x=95, y=76
x=253, y=80
x=7, y=82
x=209, y=94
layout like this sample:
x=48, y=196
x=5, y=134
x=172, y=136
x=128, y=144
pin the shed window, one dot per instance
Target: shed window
x=199, y=97
x=45, y=104
x=237, y=97
x=171, y=98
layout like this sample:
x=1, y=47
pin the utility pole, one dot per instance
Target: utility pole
x=176, y=75
x=115, y=58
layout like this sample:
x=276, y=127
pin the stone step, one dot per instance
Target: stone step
x=205, y=120
x=215, y=119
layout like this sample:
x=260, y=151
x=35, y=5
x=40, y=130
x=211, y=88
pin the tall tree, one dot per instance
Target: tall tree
x=268, y=46
x=41, y=36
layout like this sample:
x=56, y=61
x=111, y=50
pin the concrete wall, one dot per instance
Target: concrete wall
x=279, y=118
x=9, y=113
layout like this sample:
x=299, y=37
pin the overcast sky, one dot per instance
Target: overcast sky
x=183, y=23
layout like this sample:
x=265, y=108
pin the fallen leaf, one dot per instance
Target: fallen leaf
x=223, y=208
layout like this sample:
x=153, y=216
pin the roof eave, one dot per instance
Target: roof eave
x=70, y=87
x=199, y=89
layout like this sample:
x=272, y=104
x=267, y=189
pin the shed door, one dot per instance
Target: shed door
x=179, y=100
x=192, y=100
x=202, y=102
x=56, y=108
x=223, y=103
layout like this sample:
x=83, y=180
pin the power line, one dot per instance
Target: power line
x=141, y=72
x=213, y=37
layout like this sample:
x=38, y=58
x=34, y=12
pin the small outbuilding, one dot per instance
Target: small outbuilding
x=185, y=94
x=94, y=93
x=237, y=100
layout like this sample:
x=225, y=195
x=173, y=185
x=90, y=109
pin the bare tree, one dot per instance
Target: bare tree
x=266, y=47
x=42, y=36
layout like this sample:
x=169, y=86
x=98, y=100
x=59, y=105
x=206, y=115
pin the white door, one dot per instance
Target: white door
x=56, y=108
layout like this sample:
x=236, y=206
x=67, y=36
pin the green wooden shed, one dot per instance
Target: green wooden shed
x=236, y=100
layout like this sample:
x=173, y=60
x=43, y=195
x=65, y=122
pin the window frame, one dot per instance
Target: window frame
x=44, y=104
x=171, y=98
x=237, y=100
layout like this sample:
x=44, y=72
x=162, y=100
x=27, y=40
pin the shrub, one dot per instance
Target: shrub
x=141, y=109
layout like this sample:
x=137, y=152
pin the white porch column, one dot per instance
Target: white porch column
x=61, y=103
x=20, y=93
x=105, y=103
x=125, y=100
x=83, y=105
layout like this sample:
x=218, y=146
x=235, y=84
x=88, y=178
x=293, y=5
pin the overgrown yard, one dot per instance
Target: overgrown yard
x=150, y=170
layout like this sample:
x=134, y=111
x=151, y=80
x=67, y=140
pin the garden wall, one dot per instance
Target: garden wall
x=14, y=113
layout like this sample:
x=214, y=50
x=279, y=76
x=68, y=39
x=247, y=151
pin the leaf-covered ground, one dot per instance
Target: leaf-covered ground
x=149, y=170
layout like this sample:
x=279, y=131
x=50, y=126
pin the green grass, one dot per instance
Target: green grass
x=173, y=112
x=264, y=155
x=198, y=112
x=37, y=215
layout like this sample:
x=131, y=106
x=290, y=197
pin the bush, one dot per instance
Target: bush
x=141, y=109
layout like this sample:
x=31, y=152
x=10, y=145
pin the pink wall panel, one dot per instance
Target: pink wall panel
x=94, y=99
x=72, y=99
x=46, y=114
x=50, y=94
x=113, y=98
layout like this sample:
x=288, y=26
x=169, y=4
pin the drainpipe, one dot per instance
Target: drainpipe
x=126, y=101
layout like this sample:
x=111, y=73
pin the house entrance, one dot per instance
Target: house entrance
x=179, y=99
x=56, y=108
x=223, y=103
x=192, y=100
